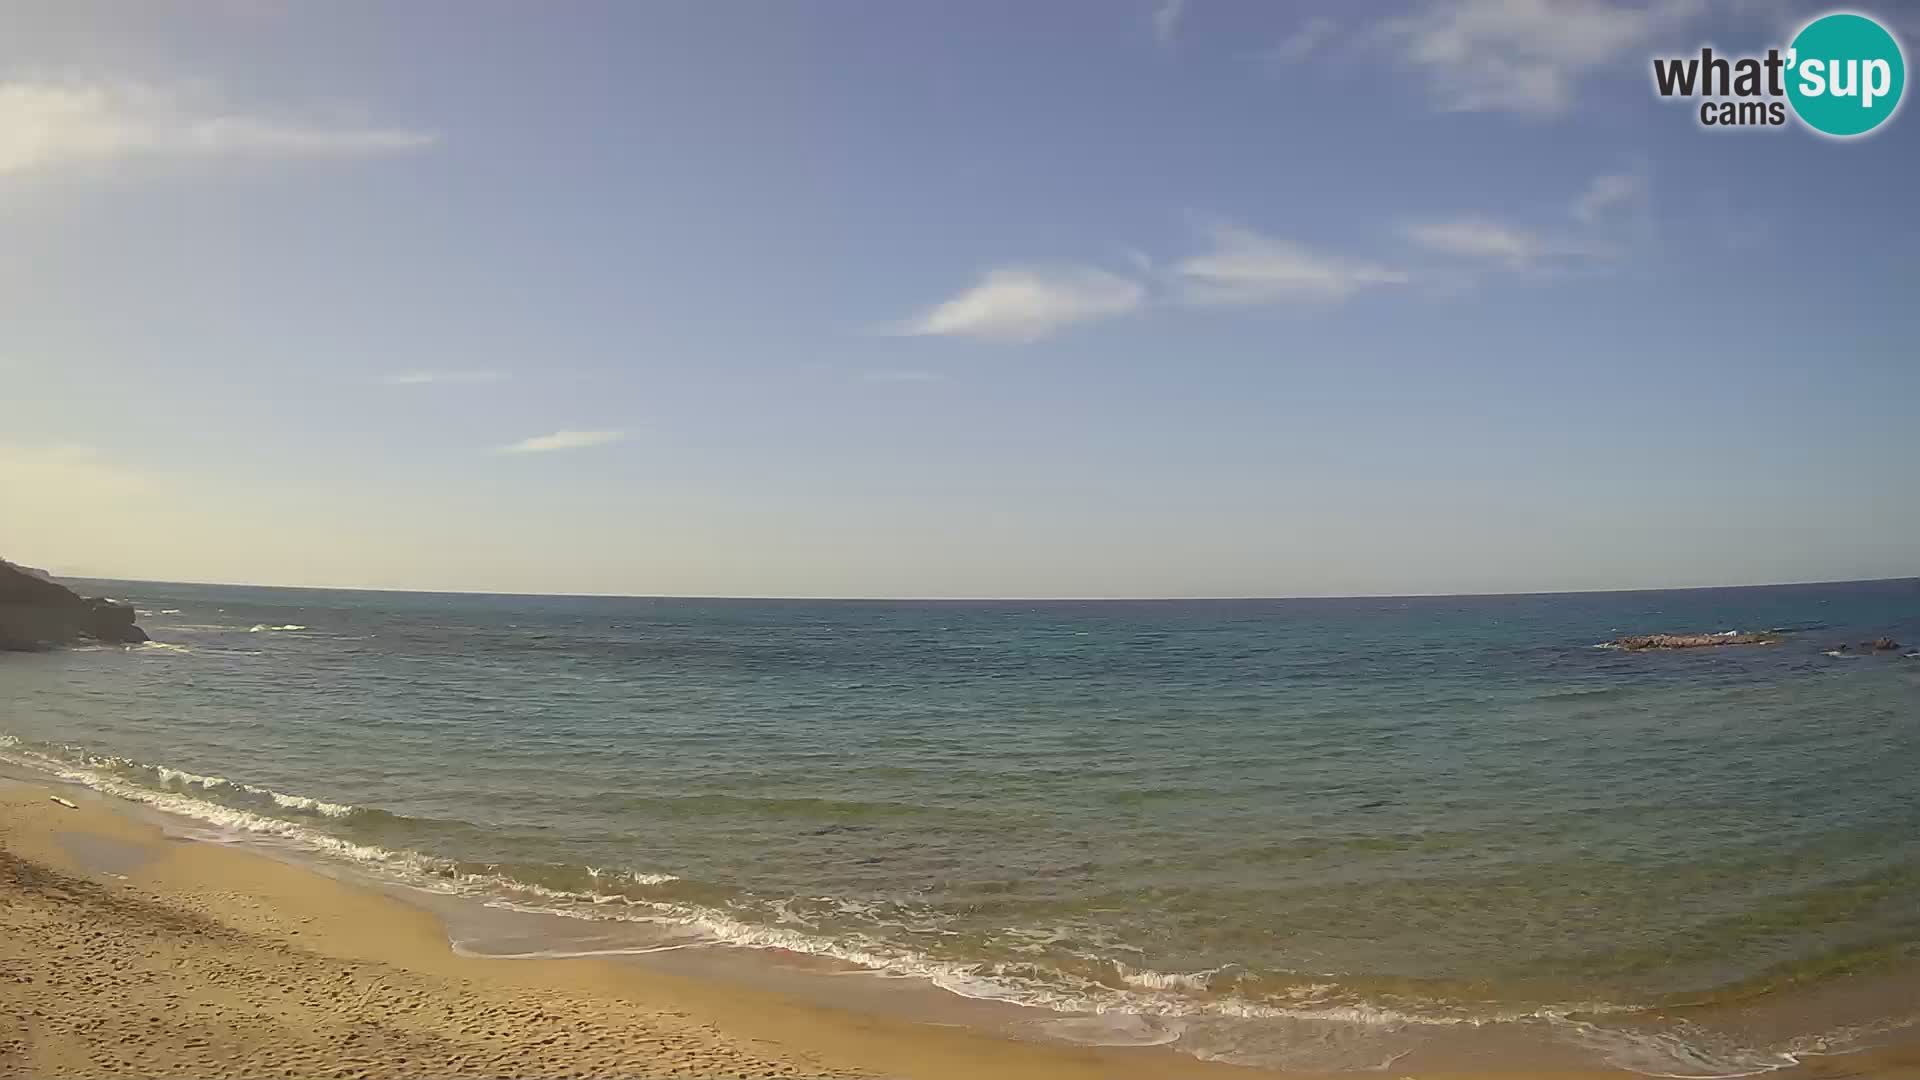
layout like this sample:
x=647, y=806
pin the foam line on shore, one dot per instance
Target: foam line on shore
x=1148, y=997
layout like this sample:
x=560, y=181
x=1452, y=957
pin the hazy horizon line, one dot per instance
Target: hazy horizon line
x=797, y=598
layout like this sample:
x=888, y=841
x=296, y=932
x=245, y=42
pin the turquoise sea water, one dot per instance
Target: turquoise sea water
x=1386, y=812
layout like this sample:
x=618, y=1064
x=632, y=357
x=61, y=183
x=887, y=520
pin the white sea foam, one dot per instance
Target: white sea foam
x=264, y=628
x=171, y=777
x=1021, y=984
x=181, y=776
x=163, y=646
x=1684, y=1052
x=1115, y=1030
x=1160, y=980
x=300, y=802
x=233, y=821
x=1154, y=1008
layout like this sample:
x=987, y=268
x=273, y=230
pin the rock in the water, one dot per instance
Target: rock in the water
x=110, y=620
x=1885, y=644
x=37, y=613
x=1691, y=641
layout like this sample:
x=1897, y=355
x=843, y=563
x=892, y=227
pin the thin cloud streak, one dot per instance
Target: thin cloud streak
x=1022, y=304
x=46, y=125
x=563, y=440
x=1524, y=56
x=1245, y=268
x=1479, y=238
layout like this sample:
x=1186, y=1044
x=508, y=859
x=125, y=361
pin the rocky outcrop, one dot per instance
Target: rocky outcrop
x=37, y=613
x=1690, y=641
x=1885, y=644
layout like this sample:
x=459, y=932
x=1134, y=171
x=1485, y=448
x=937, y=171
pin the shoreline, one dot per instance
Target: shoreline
x=304, y=940
x=220, y=957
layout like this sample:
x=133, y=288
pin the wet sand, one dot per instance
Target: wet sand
x=126, y=952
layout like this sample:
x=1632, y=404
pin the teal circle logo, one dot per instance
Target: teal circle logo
x=1845, y=74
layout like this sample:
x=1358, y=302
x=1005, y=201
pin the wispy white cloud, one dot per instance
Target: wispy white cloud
x=49, y=124
x=563, y=440
x=1479, y=238
x=1245, y=267
x=1166, y=19
x=1612, y=221
x=1607, y=193
x=1024, y=304
x=901, y=375
x=1302, y=43
x=429, y=378
x=1523, y=55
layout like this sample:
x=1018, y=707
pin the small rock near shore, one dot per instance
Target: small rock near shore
x=1637, y=642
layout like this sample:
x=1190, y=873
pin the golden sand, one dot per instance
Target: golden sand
x=195, y=959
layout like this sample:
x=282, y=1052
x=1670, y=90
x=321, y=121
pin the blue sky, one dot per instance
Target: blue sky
x=989, y=299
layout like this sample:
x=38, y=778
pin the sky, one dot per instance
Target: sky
x=827, y=298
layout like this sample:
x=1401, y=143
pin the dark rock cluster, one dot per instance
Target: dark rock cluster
x=37, y=613
x=1885, y=644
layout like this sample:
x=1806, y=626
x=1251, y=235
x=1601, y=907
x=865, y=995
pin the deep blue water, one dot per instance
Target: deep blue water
x=1430, y=805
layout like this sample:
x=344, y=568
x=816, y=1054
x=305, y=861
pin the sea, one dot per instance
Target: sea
x=1308, y=833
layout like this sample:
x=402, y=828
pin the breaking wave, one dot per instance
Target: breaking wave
x=1192, y=1011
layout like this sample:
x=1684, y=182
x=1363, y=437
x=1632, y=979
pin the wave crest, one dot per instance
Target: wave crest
x=1116, y=1005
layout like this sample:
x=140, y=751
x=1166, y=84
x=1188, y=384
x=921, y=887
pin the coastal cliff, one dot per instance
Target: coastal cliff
x=37, y=613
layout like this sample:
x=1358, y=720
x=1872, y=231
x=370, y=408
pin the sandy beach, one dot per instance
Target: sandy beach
x=177, y=958
x=126, y=952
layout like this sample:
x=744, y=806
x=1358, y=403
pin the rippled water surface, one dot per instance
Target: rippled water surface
x=1428, y=808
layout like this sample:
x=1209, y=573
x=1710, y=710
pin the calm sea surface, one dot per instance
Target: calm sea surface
x=1396, y=811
